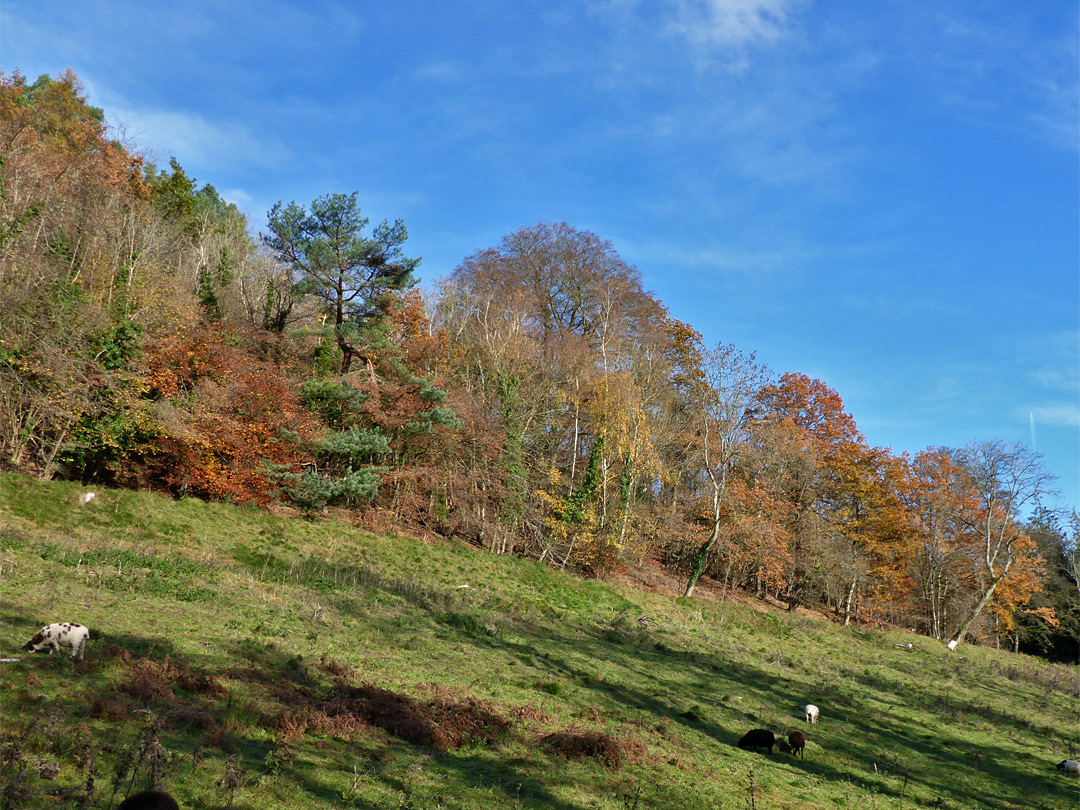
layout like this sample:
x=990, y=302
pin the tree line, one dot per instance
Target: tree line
x=538, y=401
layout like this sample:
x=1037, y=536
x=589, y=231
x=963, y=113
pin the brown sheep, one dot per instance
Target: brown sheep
x=797, y=741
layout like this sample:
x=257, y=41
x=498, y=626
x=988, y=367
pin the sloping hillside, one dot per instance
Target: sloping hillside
x=247, y=661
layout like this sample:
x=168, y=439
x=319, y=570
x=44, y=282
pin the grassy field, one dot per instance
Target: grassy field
x=247, y=661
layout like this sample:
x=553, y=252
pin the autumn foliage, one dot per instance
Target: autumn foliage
x=224, y=418
x=538, y=401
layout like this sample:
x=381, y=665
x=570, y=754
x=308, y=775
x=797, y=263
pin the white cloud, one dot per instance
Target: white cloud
x=444, y=72
x=238, y=197
x=1050, y=361
x=709, y=24
x=718, y=32
x=195, y=141
x=1061, y=414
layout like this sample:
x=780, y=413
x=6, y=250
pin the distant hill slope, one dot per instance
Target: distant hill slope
x=242, y=660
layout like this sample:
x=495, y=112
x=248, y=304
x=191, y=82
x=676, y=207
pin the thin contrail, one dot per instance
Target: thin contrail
x=1031, y=416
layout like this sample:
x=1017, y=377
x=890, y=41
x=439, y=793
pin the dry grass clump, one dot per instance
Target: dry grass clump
x=610, y=751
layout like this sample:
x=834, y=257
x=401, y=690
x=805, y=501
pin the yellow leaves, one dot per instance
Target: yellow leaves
x=619, y=411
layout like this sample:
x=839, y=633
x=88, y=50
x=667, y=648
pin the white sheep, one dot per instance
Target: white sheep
x=1069, y=766
x=812, y=713
x=52, y=637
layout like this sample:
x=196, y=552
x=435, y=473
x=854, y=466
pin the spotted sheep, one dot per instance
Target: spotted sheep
x=53, y=637
x=1069, y=766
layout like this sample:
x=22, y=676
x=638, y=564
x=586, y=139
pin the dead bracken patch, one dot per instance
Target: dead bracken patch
x=114, y=652
x=292, y=726
x=223, y=737
x=147, y=680
x=117, y=709
x=193, y=716
x=440, y=723
x=610, y=751
x=530, y=714
x=338, y=669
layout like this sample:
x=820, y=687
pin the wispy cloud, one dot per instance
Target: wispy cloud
x=442, y=72
x=997, y=70
x=763, y=265
x=708, y=24
x=196, y=141
x=1062, y=414
x=718, y=33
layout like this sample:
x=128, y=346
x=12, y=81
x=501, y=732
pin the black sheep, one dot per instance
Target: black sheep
x=758, y=738
x=797, y=741
x=149, y=800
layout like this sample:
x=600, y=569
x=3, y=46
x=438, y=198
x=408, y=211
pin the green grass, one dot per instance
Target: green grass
x=240, y=659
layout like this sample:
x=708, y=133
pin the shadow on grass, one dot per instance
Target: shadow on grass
x=942, y=764
x=512, y=781
x=862, y=732
x=146, y=713
x=636, y=667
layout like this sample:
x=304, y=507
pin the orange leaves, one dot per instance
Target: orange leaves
x=964, y=507
x=423, y=348
x=223, y=414
x=1047, y=614
x=51, y=123
x=813, y=406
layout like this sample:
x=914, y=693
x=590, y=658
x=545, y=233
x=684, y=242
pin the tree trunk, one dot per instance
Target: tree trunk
x=961, y=632
x=625, y=489
x=847, y=602
x=701, y=558
x=573, y=456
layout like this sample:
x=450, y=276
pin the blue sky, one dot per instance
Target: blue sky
x=883, y=195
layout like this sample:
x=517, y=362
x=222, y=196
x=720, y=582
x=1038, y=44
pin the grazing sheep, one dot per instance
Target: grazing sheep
x=87, y=497
x=52, y=637
x=758, y=738
x=149, y=800
x=797, y=741
x=1069, y=766
x=812, y=713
